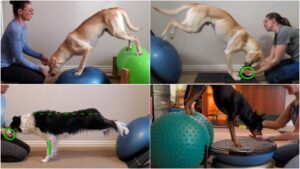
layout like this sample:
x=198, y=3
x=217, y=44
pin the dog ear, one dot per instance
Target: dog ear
x=16, y=118
x=261, y=58
x=263, y=117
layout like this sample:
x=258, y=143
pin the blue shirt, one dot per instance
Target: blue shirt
x=3, y=107
x=14, y=43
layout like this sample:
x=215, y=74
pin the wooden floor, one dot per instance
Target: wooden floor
x=71, y=158
x=189, y=77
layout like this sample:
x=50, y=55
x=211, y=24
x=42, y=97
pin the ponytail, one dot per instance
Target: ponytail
x=279, y=19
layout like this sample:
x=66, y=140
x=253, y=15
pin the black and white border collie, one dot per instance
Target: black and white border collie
x=52, y=125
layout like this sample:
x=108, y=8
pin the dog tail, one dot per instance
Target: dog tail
x=173, y=11
x=128, y=22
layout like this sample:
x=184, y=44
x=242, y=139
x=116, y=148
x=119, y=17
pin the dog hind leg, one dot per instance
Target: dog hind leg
x=193, y=94
x=116, y=28
x=122, y=129
x=191, y=24
x=101, y=123
x=169, y=29
x=135, y=40
x=189, y=100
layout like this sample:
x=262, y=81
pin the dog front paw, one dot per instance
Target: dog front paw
x=236, y=76
x=78, y=73
x=46, y=159
x=239, y=145
x=125, y=131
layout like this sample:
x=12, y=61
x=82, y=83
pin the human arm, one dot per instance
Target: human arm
x=30, y=52
x=280, y=121
x=8, y=133
x=15, y=43
x=290, y=135
x=276, y=54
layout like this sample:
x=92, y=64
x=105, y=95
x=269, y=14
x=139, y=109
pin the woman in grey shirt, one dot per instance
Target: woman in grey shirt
x=286, y=41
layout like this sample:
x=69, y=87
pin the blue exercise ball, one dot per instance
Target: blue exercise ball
x=165, y=61
x=90, y=75
x=136, y=141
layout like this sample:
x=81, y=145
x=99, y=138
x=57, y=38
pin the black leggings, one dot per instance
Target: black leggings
x=13, y=151
x=285, y=153
x=16, y=73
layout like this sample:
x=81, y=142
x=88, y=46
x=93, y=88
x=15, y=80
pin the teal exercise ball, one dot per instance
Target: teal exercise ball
x=202, y=119
x=178, y=141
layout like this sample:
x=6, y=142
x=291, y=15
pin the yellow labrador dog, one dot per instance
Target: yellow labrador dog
x=228, y=31
x=82, y=39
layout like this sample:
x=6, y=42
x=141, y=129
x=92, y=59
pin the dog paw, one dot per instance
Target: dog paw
x=46, y=160
x=236, y=76
x=239, y=145
x=106, y=131
x=125, y=131
x=78, y=73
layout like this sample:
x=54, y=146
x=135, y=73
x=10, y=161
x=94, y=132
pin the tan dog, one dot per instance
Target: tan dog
x=226, y=28
x=82, y=39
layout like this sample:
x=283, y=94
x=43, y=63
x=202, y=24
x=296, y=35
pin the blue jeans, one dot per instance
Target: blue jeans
x=285, y=72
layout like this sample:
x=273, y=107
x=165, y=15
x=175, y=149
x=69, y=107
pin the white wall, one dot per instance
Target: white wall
x=53, y=20
x=200, y=51
x=117, y=102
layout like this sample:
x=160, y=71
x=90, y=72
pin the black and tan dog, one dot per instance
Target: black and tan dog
x=230, y=102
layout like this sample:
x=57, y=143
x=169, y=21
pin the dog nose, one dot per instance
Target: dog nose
x=247, y=64
x=52, y=74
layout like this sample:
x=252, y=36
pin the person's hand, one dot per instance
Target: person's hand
x=9, y=134
x=45, y=61
x=248, y=72
x=263, y=138
x=45, y=72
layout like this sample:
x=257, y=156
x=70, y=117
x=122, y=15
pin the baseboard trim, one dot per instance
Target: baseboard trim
x=64, y=143
x=105, y=69
x=208, y=68
x=185, y=68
